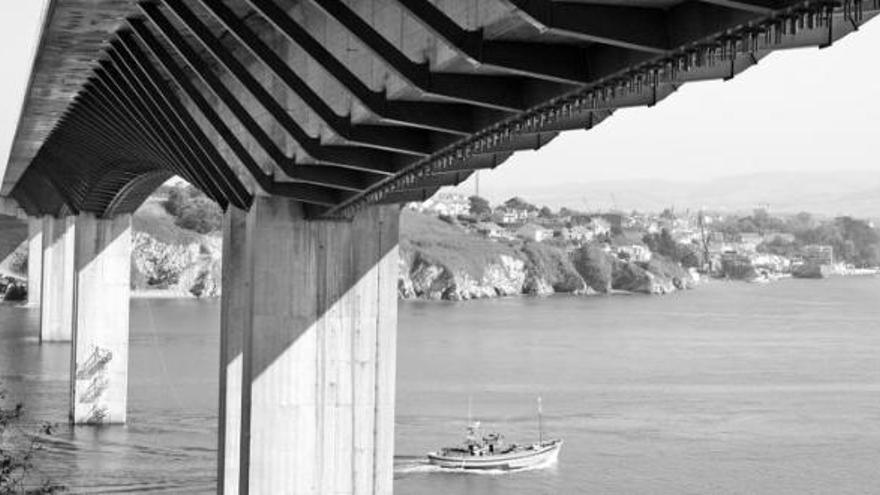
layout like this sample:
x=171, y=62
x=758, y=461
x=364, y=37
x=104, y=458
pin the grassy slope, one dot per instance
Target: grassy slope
x=448, y=245
x=152, y=219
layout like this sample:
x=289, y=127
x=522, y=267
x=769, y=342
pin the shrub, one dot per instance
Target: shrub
x=18, y=450
x=193, y=210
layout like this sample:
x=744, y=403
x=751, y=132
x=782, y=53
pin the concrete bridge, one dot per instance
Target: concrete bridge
x=309, y=121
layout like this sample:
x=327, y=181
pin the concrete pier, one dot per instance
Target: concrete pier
x=56, y=302
x=99, y=353
x=235, y=314
x=318, y=351
x=35, y=260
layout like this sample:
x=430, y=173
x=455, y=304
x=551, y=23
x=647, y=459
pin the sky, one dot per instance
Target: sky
x=19, y=31
x=799, y=110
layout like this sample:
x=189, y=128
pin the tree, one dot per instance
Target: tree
x=568, y=212
x=664, y=245
x=193, y=210
x=545, y=212
x=201, y=215
x=517, y=203
x=479, y=207
x=17, y=452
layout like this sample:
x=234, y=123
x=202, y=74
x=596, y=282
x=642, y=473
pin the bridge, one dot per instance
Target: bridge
x=309, y=121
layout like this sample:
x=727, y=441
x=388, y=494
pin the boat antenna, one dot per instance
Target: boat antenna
x=540, y=423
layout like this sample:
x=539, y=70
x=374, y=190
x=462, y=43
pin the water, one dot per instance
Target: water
x=731, y=388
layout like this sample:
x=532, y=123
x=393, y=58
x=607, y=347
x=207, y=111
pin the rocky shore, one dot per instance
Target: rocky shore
x=439, y=261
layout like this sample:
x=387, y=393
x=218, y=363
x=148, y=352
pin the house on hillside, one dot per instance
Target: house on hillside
x=599, y=226
x=445, y=204
x=580, y=233
x=491, y=230
x=818, y=255
x=507, y=215
x=749, y=242
x=634, y=252
x=532, y=232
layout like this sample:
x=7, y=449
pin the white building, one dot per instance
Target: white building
x=532, y=232
x=634, y=252
x=446, y=204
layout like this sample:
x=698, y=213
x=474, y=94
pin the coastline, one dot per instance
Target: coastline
x=163, y=294
x=174, y=294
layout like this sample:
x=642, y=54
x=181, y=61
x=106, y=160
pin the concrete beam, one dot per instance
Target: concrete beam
x=99, y=353
x=56, y=302
x=315, y=319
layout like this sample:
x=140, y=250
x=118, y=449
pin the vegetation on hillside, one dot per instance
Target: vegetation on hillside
x=854, y=241
x=442, y=243
x=663, y=244
x=154, y=220
x=554, y=266
x=18, y=449
x=192, y=210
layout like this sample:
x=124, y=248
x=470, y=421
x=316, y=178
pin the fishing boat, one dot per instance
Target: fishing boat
x=490, y=452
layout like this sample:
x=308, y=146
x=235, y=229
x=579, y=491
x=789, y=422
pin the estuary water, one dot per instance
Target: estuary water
x=730, y=388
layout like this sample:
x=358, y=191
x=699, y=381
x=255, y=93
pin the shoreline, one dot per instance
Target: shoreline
x=171, y=294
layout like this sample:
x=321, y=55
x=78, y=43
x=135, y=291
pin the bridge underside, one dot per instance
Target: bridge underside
x=344, y=104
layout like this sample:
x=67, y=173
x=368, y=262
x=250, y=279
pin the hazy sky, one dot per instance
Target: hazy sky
x=19, y=29
x=805, y=109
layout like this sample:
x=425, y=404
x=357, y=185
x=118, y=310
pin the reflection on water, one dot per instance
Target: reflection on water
x=730, y=388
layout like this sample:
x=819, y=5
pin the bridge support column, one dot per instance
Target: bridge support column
x=99, y=353
x=318, y=351
x=236, y=306
x=56, y=300
x=35, y=260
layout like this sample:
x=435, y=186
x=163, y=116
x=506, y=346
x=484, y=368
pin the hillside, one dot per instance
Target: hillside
x=830, y=194
x=172, y=259
x=438, y=260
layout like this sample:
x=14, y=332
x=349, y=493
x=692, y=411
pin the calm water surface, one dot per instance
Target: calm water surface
x=731, y=388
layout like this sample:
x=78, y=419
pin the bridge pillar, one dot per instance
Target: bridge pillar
x=235, y=313
x=35, y=260
x=99, y=353
x=318, y=351
x=56, y=300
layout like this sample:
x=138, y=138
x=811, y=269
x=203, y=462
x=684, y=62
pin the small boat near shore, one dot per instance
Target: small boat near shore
x=490, y=452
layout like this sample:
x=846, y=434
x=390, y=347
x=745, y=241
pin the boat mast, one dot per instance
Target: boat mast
x=540, y=422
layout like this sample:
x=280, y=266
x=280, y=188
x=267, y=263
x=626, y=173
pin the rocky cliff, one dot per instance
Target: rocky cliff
x=181, y=269
x=443, y=261
x=168, y=258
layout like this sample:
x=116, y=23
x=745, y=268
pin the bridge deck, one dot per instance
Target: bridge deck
x=344, y=104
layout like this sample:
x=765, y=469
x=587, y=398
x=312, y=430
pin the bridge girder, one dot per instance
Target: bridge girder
x=247, y=97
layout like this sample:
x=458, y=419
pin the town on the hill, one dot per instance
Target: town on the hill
x=756, y=247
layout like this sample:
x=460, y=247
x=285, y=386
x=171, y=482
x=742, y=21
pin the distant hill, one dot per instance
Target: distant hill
x=855, y=193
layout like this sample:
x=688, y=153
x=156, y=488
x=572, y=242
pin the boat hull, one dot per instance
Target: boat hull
x=520, y=459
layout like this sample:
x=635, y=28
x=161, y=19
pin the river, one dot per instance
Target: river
x=729, y=388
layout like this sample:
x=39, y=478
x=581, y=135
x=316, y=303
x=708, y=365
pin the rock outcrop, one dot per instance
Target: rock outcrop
x=423, y=278
x=183, y=269
x=550, y=270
